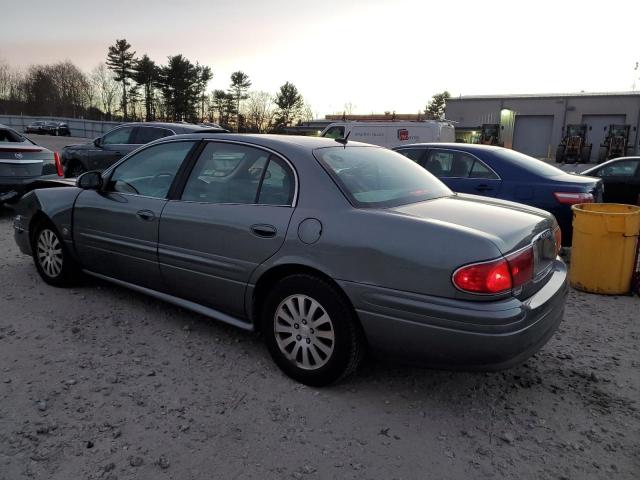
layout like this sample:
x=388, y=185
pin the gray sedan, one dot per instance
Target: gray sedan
x=327, y=249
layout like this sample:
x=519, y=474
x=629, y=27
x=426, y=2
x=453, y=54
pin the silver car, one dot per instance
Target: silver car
x=328, y=248
x=23, y=164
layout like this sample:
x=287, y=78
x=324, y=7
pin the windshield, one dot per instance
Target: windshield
x=529, y=163
x=377, y=177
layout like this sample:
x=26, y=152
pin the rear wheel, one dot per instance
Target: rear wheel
x=53, y=261
x=585, y=154
x=311, y=330
x=560, y=154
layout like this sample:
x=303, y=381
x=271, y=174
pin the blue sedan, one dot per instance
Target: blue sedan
x=506, y=174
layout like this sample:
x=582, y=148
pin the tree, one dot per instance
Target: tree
x=240, y=83
x=290, y=103
x=204, y=74
x=224, y=105
x=435, y=108
x=121, y=61
x=146, y=74
x=179, y=84
x=106, y=87
x=259, y=111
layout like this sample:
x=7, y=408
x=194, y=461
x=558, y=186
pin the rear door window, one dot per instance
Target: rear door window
x=226, y=173
x=149, y=134
x=121, y=136
x=414, y=154
x=480, y=170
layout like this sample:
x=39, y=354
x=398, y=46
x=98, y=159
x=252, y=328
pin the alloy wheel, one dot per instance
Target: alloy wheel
x=49, y=253
x=304, y=332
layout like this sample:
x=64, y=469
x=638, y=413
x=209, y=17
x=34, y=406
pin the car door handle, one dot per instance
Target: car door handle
x=264, y=231
x=483, y=188
x=146, y=215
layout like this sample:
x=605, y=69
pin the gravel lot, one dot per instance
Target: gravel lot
x=98, y=382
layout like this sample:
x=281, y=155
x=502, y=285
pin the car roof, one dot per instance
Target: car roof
x=608, y=162
x=175, y=126
x=268, y=140
x=471, y=147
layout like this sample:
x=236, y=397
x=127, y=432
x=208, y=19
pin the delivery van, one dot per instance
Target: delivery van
x=392, y=134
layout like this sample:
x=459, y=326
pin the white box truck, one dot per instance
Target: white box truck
x=392, y=134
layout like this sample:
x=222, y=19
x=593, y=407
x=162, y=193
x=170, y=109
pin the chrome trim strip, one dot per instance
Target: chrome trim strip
x=194, y=307
x=21, y=162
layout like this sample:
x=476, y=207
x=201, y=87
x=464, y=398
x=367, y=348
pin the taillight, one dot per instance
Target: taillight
x=59, y=170
x=521, y=265
x=557, y=233
x=488, y=277
x=572, y=198
x=496, y=276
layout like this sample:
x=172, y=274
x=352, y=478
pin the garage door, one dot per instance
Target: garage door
x=596, y=125
x=532, y=134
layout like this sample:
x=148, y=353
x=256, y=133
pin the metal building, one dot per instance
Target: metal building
x=534, y=124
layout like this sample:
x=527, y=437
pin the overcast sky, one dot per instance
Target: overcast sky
x=376, y=54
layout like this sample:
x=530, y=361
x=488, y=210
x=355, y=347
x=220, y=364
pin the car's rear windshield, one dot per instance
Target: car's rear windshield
x=9, y=136
x=531, y=164
x=377, y=177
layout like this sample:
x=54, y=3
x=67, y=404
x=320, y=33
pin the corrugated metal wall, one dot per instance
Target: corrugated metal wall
x=78, y=126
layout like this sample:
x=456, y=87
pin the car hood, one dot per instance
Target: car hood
x=508, y=225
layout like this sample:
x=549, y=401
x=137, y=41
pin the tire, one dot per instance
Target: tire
x=336, y=345
x=560, y=154
x=75, y=169
x=53, y=261
x=585, y=153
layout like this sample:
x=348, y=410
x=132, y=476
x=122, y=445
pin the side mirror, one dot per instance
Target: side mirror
x=90, y=181
x=98, y=142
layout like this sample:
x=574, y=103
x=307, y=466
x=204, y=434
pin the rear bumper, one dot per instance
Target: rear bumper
x=11, y=188
x=459, y=334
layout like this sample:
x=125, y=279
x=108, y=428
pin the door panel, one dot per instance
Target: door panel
x=115, y=145
x=207, y=252
x=116, y=235
x=233, y=215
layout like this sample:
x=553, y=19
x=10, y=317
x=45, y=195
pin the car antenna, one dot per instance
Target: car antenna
x=343, y=141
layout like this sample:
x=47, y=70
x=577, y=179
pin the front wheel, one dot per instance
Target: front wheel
x=53, y=261
x=311, y=330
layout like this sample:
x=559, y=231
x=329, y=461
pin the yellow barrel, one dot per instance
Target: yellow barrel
x=603, y=253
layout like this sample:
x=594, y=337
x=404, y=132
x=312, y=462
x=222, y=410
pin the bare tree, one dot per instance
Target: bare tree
x=107, y=88
x=260, y=111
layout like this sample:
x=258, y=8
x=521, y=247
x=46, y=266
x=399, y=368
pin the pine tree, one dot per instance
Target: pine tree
x=121, y=61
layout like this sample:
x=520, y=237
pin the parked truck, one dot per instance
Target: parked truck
x=391, y=133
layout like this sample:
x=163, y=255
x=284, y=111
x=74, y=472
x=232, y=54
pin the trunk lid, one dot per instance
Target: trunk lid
x=20, y=160
x=510, y=226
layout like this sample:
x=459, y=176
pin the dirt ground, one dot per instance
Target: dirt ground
x=98, y=382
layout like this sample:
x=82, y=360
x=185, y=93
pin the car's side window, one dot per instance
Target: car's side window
x=120, y=136
x=149, y=134
x=226, y=173
x=278, y=184
x=626, y=168
x=480, y=170
x=414, y=154
x=448, y=163
x=334, y=132
x=151, y=171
